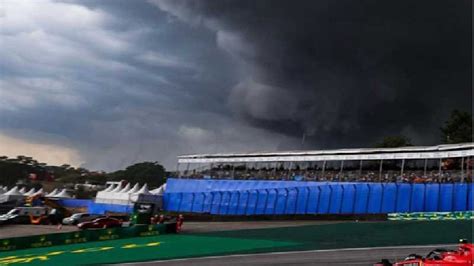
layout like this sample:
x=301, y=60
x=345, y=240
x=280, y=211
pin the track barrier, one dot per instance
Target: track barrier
x=234, y=197
x=9, y=244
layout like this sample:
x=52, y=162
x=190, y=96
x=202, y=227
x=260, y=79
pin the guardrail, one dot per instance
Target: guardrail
x=354, y=198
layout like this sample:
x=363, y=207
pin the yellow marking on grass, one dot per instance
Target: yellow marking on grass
x=32, y=257
x=97, y=249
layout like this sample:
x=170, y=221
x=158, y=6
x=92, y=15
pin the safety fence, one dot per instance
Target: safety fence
x=431, y=216
x=48, y=240
x=325, y=198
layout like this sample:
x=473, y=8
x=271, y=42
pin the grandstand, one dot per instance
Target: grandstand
x=414, y=164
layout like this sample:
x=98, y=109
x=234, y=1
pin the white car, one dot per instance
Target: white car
x=79, y=218
x=9, y=215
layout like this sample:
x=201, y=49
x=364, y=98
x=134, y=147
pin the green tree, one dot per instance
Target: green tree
x=394, y=142
x=151, y=173
x=458, y=128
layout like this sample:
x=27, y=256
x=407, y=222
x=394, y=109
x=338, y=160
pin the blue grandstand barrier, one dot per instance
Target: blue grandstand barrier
x=74, y=203
x=103, y=208
x=229, y=197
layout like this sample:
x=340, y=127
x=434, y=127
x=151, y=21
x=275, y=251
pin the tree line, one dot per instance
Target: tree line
x=30, y=172
x=457, y=129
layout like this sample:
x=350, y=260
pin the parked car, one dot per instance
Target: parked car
x=78, y=218
x=22, y=215
x=105, y=222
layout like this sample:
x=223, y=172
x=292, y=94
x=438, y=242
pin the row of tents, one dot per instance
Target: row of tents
x=126, y=194
x=16, y=193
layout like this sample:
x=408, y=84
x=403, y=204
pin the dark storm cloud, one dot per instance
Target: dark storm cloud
x=125, y=81
x=114, y=83
x=343, y=72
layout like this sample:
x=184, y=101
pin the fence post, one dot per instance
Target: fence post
x=453, y=198
x=342, y=199
x=230, y=202
x=247, y=203
x=203, y=201
x=192, y=202
x=424, y=197
x=220, y=202
x=319, y=198
x=368, y=199
x=307, y=200
x=467, y=195
x=410, y=197
x=287, y=197
x=256, y=202
x=296, y=201
x=396, y=197
x=381, y=198
x=238, y=202
x=355, y=198
x=266, y=201
x=330, y=198
x=212, y=201
x=180, y=201
x=438, y=208
x=276, y=201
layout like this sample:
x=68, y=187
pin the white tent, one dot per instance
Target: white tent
x=124, y=195
x=22, y=190
x=125, y=189
x=134, y=189
x=52, y=193
x=11, y=195
x=14, y=192
x=159, y=191
x=117, y=189
x=40, y=191
x=143, y=190
x=30, y=192
x=109, y=188
x=62, y=194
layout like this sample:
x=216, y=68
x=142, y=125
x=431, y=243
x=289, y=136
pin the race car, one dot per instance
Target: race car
x=105, y=222
x=463, y=256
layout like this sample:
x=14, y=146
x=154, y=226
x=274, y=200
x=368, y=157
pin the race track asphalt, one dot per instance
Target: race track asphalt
x=354, y=256
x=346, y=243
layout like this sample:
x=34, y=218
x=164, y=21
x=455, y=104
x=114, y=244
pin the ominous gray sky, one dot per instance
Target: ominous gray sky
x=105, y=84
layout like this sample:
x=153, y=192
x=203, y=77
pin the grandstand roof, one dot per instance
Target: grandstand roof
x=410, y=152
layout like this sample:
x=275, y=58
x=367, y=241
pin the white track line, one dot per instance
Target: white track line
x=289, y=252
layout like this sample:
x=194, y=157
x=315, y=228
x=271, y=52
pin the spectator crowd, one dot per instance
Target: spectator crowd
x=448, y=171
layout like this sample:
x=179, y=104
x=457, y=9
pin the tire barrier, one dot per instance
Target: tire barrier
x=9, y=244
x=431, y=216
x=317, y=198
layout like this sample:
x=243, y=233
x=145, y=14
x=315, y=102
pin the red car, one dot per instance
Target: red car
x=463, y=256
x=106, y=222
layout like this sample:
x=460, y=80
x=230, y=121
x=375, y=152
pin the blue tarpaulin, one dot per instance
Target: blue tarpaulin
x=257, y=197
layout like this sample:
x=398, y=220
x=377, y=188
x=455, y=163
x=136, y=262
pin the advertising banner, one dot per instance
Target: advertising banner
x=431, y=216
x=37, y=241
